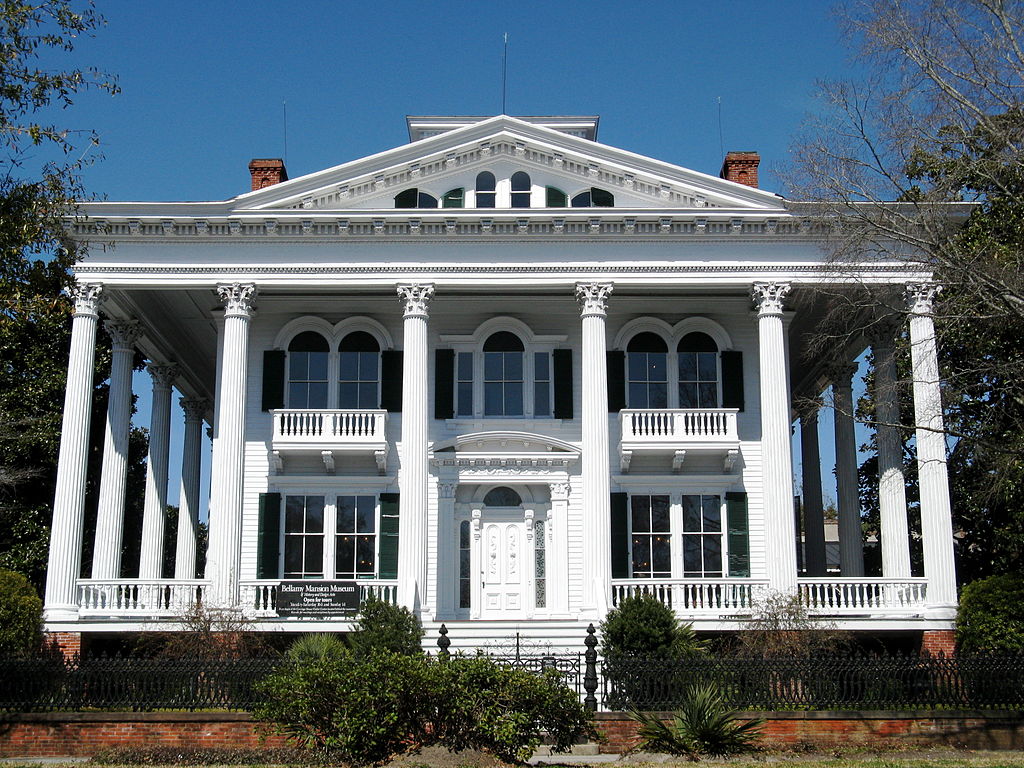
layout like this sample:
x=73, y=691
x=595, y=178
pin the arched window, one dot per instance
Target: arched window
x=520, y=190
x=413, y=198
x=485, y=186
x=358, y=371
x=594, y=198
x=465, y=560
x=454, y=198
x=503, y=375
x=698, y=371
x=307, y=371
x=503, y=496
x=555, y=198
x=646, y=368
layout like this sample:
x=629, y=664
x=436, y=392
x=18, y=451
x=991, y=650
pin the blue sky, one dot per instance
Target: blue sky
x=204, y=86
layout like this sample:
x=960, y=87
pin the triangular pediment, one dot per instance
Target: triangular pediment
x=503, y=145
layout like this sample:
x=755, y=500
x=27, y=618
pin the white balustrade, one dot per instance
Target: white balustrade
x=679, y=425
x=141, y=597
x=258, y=597
x=329, y=426
x=863, y=595
x=692, y=596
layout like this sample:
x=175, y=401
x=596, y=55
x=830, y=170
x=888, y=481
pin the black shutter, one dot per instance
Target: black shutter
x=273, y=379
x=738, y=532
x=268, y=545
x=732, y=379
x=620, y=535
x=444, y=383
x=616, y=361
x=388, y=563
x=562, y=367
x=391, y=380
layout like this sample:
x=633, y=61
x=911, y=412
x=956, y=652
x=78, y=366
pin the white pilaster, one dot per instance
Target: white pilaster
x=151, y=558
x=106, y=553
x=447, y=548
x=936, y=515
x=593, y=301
x=892, y=489
x=814, y=516
x=780, y=526
x=558, y=551
x=227, y=476
x=851, y=540
x=188, y=497
x=65, y=556
x=412, y=483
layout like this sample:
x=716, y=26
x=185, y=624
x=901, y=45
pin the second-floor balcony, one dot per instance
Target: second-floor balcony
x=330, y=431
x=677, y=433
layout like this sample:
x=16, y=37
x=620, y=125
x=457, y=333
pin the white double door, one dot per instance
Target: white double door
x=506, y=564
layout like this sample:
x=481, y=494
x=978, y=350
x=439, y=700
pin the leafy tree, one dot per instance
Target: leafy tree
x=21, y=616
x=990, y=618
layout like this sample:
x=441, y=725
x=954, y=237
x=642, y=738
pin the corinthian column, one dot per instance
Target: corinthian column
x=106, y=554
x=851, y=541
x=597, y=573
x=154, y=513
x=936, y=516
x=69, y=496
x=188, y=498
x=412, y=483
x=780, y=526
x=814, y=514
x=226, y=482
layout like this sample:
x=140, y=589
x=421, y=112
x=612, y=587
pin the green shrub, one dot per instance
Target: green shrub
x=703, y=726
x=21, y=616
x=644, y=626
x=382, y=626
x=991, y=616
x=367, y=710
x=315, y=647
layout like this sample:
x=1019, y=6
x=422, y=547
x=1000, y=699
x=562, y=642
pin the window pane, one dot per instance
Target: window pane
x=656, y=366
x=493, y=367
x=298, y=365
x=297, y=395
x=464, y=538
x=687, y=395
x=465, y=399
x=349, y=370
x=641, y=555
x=317, y=395
x=345, y=549
x=294, y=508
x=513, y=366
x=484, y=199
x=514, y=399
x=636, y=366
x=708, y=394
x=314, y=514
x=318, y=365
x=712, y=555
x=662, y=555
x=541, y=366
x=368, y=395
x=542, y=399
x=293, y=555
x=712, y=507
x=348, y=395
x=707, y=367
x=346, y=514
x=365, y=554
x=637, y=395
x=520, y=199
x=493, y=399
x=602, y=198
x=691, y=513
x=465, y=366
x=314, y=555
x=464, y=593
x=366, y=514
x=464, y=562
x=687, y=366
x=539, y=564
x=691, y=555
x=660, y=514
x=658, y=397
x=641, y=506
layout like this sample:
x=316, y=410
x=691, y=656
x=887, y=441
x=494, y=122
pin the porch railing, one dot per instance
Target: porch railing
x=140, y=597
x=862, y=595
x=329, y=426
x=688, y=596
x=259, y=598
x=681, y=424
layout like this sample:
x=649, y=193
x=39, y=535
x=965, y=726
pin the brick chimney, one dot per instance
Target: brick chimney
x=741, y=167
x=267, y=172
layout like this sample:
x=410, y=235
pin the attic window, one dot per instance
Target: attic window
x=555, y=198
x=594, y=198
x=454, y=198
x=485, y=186
x=413, y=198
x=520, y=190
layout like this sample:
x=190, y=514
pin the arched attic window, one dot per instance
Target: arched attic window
x=520, y=189
x=414, y=198
x=358, y=371
x=307, y=371
x=485, y=186
x=646, y=369
x=502, y=496
x=454, y=198
x=503, y=375
x=555, y=198
x=594, y=198
x=698, y=371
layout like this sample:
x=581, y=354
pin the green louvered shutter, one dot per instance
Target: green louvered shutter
x=268, y=545
x=620, y=535
x=616, y=361
x=444, y=383
x=391, y=380
x=738, y=532
x=562, y=366
x=273, y=379
x=388, y=536
x=732, y=379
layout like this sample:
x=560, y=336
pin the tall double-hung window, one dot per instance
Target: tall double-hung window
x=651, y=536
x=503, y=375
x=698, y=371
x=358, y=371
x=308, y=354
x=647, y=371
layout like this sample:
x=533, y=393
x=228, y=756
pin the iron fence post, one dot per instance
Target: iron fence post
x=590, y=677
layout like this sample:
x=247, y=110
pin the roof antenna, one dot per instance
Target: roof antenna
x=284, y=117
x=721, y=140
x=504, y=72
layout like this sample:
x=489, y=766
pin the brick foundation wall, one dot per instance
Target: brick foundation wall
x=938, y=641
x=68, y=643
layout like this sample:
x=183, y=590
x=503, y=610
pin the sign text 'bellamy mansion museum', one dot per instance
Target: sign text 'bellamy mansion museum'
x=503, y=375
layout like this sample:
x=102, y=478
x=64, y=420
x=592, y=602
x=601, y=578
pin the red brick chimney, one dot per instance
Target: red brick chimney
x=741, y=167
x=267, y=172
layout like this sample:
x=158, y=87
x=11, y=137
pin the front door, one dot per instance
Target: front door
x=503, y=562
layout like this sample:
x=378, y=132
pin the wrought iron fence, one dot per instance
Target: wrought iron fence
x=874, y=682
x=567, y=666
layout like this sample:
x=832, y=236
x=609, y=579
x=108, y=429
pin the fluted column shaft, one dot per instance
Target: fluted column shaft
x=892, y=488
x=780, y=526
x=106, y=553
x=188, y=498
x=593, y=300
x=65, y=557
x=227, y=476
x=936, y=514
x=851, y=540
x=814, y=514
x=412, y=484
x=154, y=513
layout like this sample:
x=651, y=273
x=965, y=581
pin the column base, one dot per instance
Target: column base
x=938, y=642
x=59, y=613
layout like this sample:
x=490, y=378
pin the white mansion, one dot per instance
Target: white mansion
x=504, y=375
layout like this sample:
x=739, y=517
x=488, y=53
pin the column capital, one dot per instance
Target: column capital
x=87, y=298
x=123, y=334
x=593, y=298
x=769, y=297
x=559, y=491
x=238, y=298
x=415, y=298
x=884, y=331
x=446, y=490
x=921, y=296
x=163, y=375
x=195, y=408
x=841, y=375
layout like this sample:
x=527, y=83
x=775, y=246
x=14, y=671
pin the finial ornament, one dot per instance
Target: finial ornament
x=86, y=297
x=593, y=298
x=921, y=297
x=416, y=298
x=163, y=375
x=194, y=408
x=123, y=333
x=238, y=298
x=769, y=297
